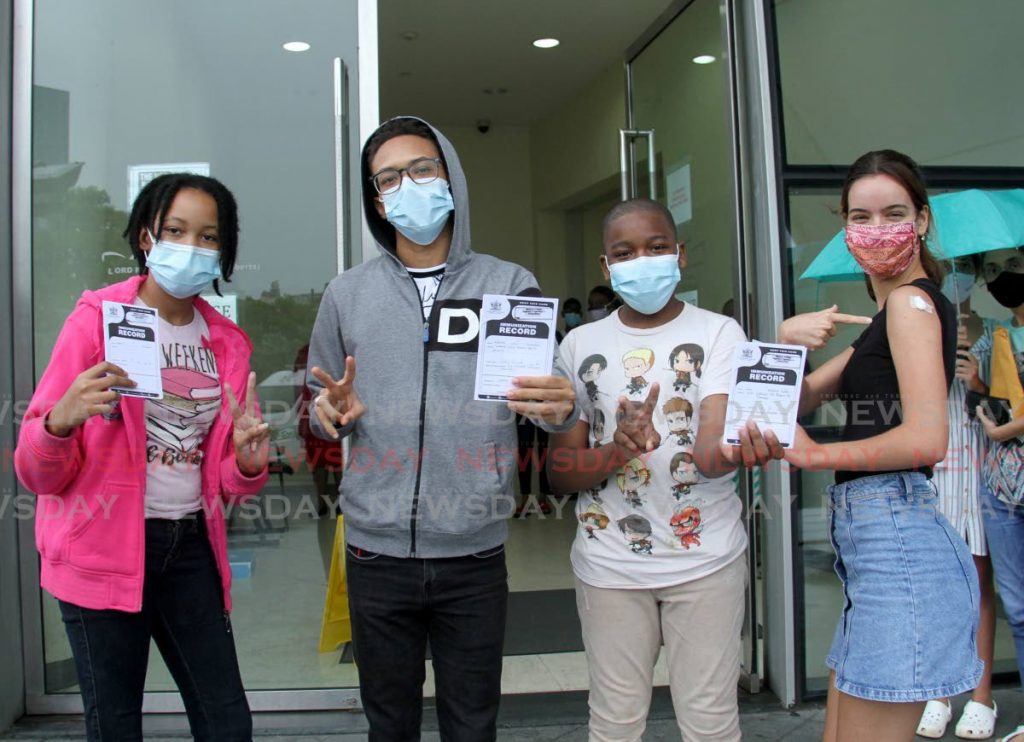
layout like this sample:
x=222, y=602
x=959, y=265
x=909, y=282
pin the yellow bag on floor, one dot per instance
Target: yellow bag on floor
x=336, y=628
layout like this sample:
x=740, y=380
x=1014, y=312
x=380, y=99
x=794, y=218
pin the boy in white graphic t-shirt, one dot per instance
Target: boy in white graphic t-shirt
x=659, y=553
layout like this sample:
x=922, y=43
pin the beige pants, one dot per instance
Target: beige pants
x=700, y=623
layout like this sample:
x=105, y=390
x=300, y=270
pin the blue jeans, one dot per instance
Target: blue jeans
x=183, y=611
x=1004, y=529
x=459, y=606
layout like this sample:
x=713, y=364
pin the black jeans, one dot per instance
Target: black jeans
x=183, y=611
x=527, y=432
x=459, y=605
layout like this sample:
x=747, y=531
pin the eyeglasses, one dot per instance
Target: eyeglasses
x=1012, y=264
x=422, y=170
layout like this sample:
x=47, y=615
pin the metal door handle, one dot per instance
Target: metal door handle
x=340, y=150
x=627, y=166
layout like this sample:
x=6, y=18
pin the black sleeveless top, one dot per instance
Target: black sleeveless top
x=868, y=387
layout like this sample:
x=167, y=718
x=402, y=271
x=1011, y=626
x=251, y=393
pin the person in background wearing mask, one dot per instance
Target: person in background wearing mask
x=655, y=579
x=129, y=522
x=957, y=480
x=909, y=618
x=572, y=314
x=426, y=521
x=600, y=302
x=1000, y=353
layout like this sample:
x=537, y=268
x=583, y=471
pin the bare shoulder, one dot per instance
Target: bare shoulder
x=911, y=314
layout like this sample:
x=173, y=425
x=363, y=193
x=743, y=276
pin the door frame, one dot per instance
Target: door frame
x=37, y=700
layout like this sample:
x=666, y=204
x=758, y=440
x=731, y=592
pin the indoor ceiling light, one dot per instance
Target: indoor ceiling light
x=296, y=46
x=546, y=43
x=703, y=59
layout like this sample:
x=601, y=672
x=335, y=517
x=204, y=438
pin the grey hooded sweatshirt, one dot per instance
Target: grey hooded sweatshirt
x=430, y=470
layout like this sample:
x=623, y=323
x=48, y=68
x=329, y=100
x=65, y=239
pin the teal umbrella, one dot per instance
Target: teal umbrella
x=966, y=222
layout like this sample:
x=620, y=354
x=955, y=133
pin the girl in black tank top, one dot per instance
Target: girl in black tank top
x=902, y=576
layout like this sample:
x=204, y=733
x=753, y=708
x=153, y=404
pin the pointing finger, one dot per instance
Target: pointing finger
x=850, y=319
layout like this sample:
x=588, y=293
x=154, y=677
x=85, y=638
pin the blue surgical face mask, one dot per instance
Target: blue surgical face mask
x=573, y=319
x=181, y=270
x=419, y=210
x=646, y=284
x=957, y=286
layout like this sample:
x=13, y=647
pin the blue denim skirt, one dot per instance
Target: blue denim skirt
x=910, y=618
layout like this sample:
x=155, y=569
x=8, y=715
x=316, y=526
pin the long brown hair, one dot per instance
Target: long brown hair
x=905, y=171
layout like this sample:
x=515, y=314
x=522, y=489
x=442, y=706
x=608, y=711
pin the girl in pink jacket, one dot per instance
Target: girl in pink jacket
x=129, y=525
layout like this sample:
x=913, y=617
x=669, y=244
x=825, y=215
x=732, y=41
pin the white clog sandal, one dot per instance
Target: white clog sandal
x=978, y=721
x=934, y=720
x=1017, y=735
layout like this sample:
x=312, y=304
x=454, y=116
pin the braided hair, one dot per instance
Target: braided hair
x=155, y=200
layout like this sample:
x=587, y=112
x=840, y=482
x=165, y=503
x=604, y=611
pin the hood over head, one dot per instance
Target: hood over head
x=384, y=232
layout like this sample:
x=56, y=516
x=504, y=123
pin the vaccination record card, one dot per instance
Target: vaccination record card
x=517, y=338
x=131, y=340
x=766, y=384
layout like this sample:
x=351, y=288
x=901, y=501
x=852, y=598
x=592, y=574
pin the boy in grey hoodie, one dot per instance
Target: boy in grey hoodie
x=428, y=484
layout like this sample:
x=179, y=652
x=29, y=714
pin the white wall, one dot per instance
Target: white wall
x=497, y=167
x=939, y=79
x=575, y=165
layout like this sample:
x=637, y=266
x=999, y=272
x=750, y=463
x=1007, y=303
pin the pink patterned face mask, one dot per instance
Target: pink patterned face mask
x=883, y=250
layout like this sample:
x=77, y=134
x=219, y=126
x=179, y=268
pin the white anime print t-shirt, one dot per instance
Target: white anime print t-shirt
x=656, y=522
x=176, y=425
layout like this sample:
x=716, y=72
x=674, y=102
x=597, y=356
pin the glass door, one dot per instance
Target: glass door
x=264, y=96
x=680, y=147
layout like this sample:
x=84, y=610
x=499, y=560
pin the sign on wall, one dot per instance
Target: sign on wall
x=140, y=175
x=680, y=197
x=226, y=305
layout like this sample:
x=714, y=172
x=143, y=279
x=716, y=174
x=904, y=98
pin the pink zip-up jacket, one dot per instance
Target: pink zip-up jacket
x=91, y=485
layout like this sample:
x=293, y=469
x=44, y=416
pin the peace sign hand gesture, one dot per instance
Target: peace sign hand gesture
x=337, y=404
x=251, y=435
x=635, y=432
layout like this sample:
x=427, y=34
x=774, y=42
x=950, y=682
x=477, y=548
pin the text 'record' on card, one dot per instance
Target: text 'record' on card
x=517, y=338
x=766, y=383
x=131, y=340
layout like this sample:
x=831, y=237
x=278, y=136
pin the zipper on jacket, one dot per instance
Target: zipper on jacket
x=413, y=517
